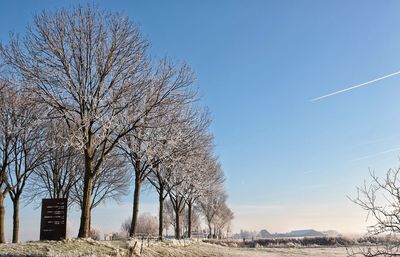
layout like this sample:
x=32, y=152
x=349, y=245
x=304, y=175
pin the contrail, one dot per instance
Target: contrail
x=376, y=154
x=354, y=87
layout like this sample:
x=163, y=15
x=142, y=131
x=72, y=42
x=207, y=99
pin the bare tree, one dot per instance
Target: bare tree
x=61, y=168
x=28, y=151
x=21, y=148
x=381, y=200
x=201, y=179
x=110, y=183
x=210, y=204
x=222, y=221
x=140, y=145
x=147, y=225
x=195, y=221
x=177, y=187
x=170, y=213
x=177, y=202
x=7, y=135
x=166, y=221
x=159, y=178
x=90, y=67
x=176, y=142
x=95, y=234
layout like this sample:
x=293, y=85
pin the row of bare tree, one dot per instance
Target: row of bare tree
x=85, y=112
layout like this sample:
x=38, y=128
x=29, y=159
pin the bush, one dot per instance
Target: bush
x=95, y=234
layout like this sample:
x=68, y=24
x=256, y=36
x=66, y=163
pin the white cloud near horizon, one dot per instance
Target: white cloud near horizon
x=355, y=86
x=256, y=207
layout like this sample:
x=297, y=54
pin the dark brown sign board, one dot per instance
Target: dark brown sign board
x=53, y=225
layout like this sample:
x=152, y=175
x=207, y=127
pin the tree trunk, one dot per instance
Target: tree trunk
x=2, y=212
x=84, y=229
x=161, y=214
x=190, y=219
x=177, y=224
x=15, y=238
x=90, y=223
x=135, y=214
x=210, y=230
x=214, y=235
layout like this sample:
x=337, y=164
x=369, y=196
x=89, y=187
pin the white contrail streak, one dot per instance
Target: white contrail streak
x=376, y=154
x=354, y=87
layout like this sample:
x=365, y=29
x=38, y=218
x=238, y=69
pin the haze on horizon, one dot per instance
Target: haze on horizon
x=290, y=162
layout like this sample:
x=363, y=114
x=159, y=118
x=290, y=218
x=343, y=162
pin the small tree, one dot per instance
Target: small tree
x=381, y=200
x=147, y=225
x=95, y=234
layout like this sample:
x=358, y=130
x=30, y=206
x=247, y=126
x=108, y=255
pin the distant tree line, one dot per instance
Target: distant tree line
x=87, y=114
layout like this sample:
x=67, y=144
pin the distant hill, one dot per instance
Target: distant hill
x=299, y=233
x=264, y=233
x=304, y=233
x=331, y=233
x=292, y=234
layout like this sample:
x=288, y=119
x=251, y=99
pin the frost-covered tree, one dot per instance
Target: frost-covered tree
x=28, y=151
x=91, y=68
x=204, y=175
x=380, y=198
x=60, y=169
x=222, y=221
x=110, y=114
x=8, y=130
x=178, y=140
x=21, y=148
x=210, y=204
x=195, y=221
x=147, y=225
x=110, y=183
x=151, y=144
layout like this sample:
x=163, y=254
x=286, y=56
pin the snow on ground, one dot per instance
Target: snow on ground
x=90, y=248
x=66, y=248
x=207, y=250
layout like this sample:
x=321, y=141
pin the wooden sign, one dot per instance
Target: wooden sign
x=53, y=225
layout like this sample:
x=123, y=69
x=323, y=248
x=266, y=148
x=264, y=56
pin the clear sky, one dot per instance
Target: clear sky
x=289, y=162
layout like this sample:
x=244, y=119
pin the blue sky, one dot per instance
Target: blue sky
x=289, y=162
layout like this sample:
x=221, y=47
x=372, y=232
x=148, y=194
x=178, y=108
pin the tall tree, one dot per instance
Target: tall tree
x=210, y=204
x=8, y=130
x=202, y=176
x=28, y=151
x=141, y=145
x=176, y=141
x=222, y=221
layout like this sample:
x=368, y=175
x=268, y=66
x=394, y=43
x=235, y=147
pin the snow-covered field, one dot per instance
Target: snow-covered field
x=207, y=250
x=91, y=248
x=67, y=248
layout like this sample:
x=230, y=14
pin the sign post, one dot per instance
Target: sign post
x=53, y=225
